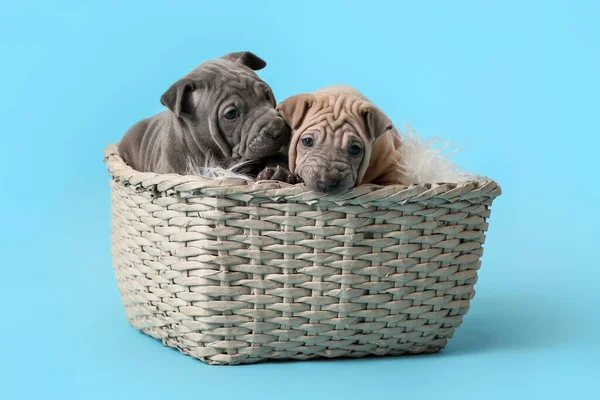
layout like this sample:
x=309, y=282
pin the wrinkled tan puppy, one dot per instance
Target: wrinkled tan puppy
x=341, y=140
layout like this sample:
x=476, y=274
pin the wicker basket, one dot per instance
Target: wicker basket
x=230, y=272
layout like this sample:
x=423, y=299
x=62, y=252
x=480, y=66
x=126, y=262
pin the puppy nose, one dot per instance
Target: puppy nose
x=327, y=185
x=276, y=129
x=275, y=133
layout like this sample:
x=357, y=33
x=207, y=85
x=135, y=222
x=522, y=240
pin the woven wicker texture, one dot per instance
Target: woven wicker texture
x=230, y=272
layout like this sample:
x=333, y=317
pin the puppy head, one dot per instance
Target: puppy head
x=225, y=101
x=332, y=138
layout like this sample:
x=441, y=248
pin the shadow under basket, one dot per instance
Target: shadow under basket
x=231, y=272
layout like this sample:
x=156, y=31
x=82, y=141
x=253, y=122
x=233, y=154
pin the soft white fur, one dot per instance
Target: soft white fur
x=425, y=161
x=211, y=170
x=428, y=161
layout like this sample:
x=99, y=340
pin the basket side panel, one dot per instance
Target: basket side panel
x=236, y=279
x=136, y=260
x=268, y=280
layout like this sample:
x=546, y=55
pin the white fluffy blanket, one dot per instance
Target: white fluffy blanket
x=425, y=161
x=429, y=161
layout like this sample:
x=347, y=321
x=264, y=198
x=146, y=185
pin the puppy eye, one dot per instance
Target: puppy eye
x=354, y=149
x=269, y=96
x=307, y=142
x=232, y=114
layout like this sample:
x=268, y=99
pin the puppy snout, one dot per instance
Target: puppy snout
x=275, y=134
x=328, y=185
x=330, y=181
x=276, y=129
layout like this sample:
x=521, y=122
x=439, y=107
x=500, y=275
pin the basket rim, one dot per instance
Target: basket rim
x=193, y=186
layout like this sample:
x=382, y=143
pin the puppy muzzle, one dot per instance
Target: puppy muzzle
x=277, y=130
x=327, y=180
x=268, y=139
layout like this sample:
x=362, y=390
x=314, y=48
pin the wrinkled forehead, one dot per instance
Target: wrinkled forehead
x=223, y=73
x=336, y=115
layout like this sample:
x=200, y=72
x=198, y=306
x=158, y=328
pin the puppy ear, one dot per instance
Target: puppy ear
x=377, y=122
x=246, y=58
x=294, y=109
x=177, y=97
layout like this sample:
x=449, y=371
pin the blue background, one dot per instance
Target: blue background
x=513, y=83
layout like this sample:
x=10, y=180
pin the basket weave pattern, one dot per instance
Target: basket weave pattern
x=230, y=272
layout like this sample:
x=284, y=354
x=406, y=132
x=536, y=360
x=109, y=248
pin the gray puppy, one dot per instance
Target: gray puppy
x=222, y=114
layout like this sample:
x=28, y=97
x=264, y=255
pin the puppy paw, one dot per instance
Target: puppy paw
x=276, y=173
